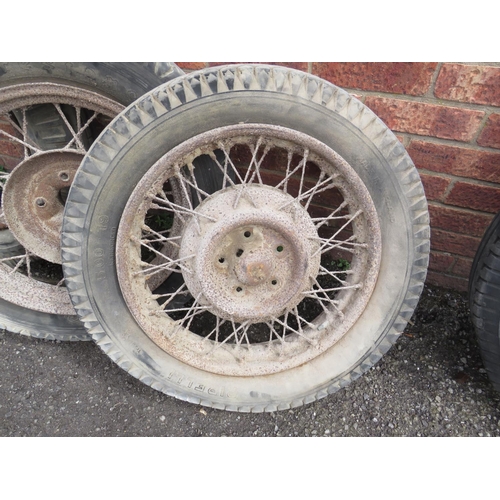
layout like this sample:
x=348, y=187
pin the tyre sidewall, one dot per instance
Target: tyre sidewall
x=122, y=82
x=351, y=353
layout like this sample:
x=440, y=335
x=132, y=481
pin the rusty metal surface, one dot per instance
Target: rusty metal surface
x=253, y=263
x=250, y=254
x=32, y=202
x=44, y=158
x=28, y=94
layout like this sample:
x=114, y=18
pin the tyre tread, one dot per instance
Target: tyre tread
x=484, y=297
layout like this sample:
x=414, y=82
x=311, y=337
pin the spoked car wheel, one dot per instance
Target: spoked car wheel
x=281, y=283
x=49, y=116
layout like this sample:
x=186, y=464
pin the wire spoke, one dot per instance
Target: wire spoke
x=332, y=216
x=193, y=183
x=328, y=242
x=76, y=137
x=348, y=245
x=323, y=271
x=182, y=290
x=309, y=194
x=172, y=240
x=289, y=174
x=28, y=142
x=228, y=161
x=24, y=143
x=255, y=172
x=15, y=257
x=170, y=265
x=337, y=288
x=193, y=311
x=223, y=169
x=233, y=335
x=23, y=259
x=178, y=209
x=286, y=326
x=215, y=330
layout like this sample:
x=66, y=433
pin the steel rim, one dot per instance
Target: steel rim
x=258, y=294
x=45, y=128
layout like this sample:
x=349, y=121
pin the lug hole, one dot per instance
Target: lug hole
x=247, y=234
x=279, y=248
x=222, y=260
x=40, y=202
x=274, y=282
x=64, y=176
x=239, y=289
x=239, y=252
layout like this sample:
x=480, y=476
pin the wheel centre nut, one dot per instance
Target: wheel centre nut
x=254, y=268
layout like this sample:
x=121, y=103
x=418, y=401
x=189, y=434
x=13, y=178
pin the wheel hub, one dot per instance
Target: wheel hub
x=33, y=200
x=255, y=262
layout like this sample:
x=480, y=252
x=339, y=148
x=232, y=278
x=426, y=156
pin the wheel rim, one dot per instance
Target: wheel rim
x=260, y=292
x=45, y=130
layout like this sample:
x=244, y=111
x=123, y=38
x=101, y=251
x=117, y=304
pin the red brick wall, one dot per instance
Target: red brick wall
x=448, y=117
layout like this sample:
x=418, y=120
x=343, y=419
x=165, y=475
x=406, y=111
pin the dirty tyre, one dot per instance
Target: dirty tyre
x=119, y=84
x=297, y=114
x=484, y=298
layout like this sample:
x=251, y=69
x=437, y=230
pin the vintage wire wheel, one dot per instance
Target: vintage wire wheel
x=283, y=281
x=259, y=258
x=50, y=114
x=47, y=129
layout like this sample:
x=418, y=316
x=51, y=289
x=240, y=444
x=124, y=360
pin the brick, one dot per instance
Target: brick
x=490, y=135
x=441, y=261
x=462, y=267
x=432, y=120
x=459, y=244
x=8, y=162
x=396, y=77
x=434, y=186
x=458, y=221
x=477, y=197
x=190, y=66
x=10, y=148
x=301, y=66
x=463, y=162
x=7, y=127
x=469, y=83
x=446, y=281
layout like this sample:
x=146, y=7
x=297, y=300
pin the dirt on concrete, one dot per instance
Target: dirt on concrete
x=431, y=383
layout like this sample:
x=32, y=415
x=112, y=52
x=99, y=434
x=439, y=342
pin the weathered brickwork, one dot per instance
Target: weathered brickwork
x=477, y=197
x=10, y=152
x=469, y=83
x=432, y=120
x=459, y=161
x=398, y=78
x=458, y=220
x=448, y=117
x=435, y=186
x=490, y=135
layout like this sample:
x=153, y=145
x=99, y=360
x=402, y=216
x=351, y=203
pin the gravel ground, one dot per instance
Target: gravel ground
x=431, y=383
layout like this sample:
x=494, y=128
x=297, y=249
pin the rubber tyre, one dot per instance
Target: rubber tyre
x=484, y=299
x=122, y=82
x=201, y=102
